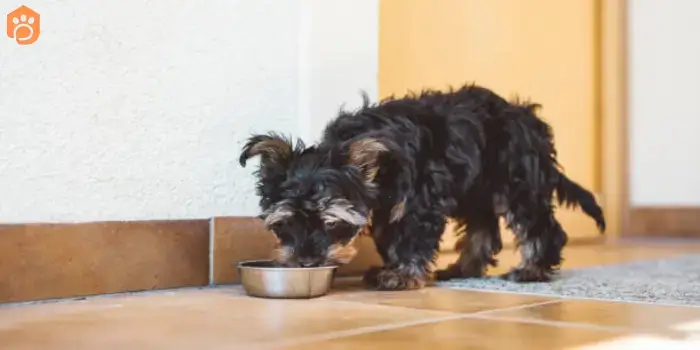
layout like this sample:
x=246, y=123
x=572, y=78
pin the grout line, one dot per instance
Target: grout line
x=358, y=331
x=211, y=250
x=391, y=326
x=514, y=308
x=395, y=307
x=447, y=312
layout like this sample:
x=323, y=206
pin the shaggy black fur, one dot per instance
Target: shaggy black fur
x=404, y=165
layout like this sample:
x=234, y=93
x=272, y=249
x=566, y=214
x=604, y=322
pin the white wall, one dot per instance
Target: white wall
x=131, y=109
x=664, y=106
x=339, y=57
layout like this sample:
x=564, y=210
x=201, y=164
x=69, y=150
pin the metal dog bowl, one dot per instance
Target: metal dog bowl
x=263, y=279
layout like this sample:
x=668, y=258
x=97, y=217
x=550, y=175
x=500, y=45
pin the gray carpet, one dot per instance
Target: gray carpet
x=674, y=281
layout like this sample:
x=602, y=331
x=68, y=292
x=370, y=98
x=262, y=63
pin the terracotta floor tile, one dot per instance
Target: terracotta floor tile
x=614, y=314
x=208, y=319
x=458, y=301
x=473, y=334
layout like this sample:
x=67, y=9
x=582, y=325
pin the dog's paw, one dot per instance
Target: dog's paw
x=446, y=274
x=380, y=278
x=456, y=271
x=524, y=275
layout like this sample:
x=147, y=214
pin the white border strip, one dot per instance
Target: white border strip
x=211, y=250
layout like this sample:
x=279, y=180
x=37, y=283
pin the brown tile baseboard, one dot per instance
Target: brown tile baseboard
x=46, y=261
x=668, y=222
x=237, y=239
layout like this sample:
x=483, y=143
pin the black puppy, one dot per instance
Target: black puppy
x=401, y=167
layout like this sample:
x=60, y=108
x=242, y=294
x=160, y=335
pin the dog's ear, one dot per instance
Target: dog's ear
x=366, y=154
x=370, y=155
x=276, y=153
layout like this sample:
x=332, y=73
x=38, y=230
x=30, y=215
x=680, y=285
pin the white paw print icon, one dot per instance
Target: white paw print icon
x=23, y=22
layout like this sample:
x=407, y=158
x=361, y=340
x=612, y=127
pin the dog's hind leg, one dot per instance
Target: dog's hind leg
x=540, y=239
x=408, y=248
x=479, y=242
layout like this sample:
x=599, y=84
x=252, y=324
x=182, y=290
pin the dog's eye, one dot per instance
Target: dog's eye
x=277, y=227
x=337, y=227
x=331, y=225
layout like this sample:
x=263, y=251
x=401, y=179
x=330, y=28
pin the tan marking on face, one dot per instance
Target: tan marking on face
x=343, y=254
x=283, y=255
x=366, y=230
x=278, y=212
x=334, y=210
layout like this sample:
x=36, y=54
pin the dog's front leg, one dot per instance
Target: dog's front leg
x=408, y=248
x=477, y=247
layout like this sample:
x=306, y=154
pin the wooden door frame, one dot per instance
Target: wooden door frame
x=613, y=113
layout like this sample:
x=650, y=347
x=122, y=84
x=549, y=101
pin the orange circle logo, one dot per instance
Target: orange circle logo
x=23, y=25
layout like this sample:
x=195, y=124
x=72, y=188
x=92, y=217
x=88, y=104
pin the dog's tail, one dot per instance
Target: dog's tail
x=571, y=194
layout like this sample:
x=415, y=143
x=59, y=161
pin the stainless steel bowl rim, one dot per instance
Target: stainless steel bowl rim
x=243, y=265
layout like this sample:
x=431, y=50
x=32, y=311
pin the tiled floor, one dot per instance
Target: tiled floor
x=351, y=318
